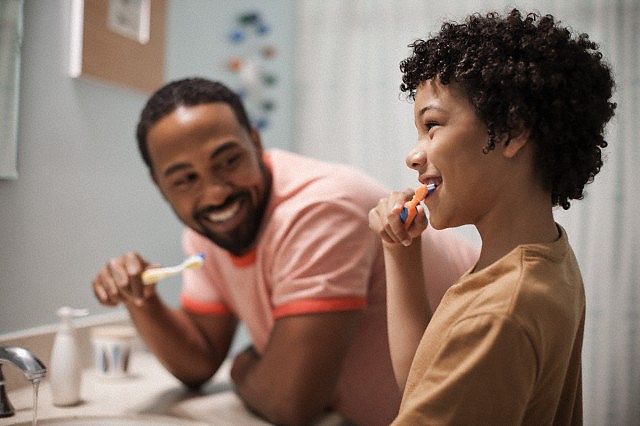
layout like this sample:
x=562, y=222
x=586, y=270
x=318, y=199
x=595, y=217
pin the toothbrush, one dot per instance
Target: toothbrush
x=409, y=210
x=153, y=275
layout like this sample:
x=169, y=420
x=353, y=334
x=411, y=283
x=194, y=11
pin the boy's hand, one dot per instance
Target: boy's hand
x=384, y=219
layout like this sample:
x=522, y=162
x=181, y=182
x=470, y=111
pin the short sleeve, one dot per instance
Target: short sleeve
x=324, y=262
x=485, y=370
x=199, y=294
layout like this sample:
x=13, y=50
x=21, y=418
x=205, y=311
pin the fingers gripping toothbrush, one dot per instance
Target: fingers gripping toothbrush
x=153, y=275
x=410, y=209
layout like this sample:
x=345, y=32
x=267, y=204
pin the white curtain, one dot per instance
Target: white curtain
x=10, y=40
x=349, y=109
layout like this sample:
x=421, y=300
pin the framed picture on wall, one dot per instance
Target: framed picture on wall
x=130, y=18
x=119, y=41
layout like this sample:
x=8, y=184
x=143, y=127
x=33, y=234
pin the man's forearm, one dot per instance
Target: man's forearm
x=260, y=393
x=175, y=341
x=294, y=379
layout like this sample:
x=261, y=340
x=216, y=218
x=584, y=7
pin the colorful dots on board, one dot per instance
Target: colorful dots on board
x=254, y=19
x=237, y=36
x=262, y=29
x=234, y=64
x=268, y=52
x=261, y=123
x=268, y=105
x=269, y=79
x=253, y=51
x=249, y=18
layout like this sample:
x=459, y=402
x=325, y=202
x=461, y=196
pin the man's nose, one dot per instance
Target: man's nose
x=216, y=189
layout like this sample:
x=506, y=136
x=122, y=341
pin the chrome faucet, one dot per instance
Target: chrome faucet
x=31, y=366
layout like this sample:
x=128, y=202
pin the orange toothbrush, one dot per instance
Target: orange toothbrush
x=409, y=211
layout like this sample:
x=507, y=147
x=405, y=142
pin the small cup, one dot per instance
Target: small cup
x=112, y=349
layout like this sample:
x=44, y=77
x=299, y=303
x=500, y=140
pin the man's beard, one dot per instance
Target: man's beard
x=240, y=240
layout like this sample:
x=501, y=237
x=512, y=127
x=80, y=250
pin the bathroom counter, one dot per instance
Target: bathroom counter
x=148, y=391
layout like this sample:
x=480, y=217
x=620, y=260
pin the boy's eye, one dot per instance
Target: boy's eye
x=430, y=124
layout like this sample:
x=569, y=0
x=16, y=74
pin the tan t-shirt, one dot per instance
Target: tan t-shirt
x=504, y=345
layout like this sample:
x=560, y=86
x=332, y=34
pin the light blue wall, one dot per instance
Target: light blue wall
x=83, y=194
x=199, y=44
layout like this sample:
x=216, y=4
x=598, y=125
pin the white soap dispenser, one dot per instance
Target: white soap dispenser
x=65, y=366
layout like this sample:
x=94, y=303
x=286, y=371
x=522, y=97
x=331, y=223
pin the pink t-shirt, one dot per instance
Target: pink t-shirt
x=315, y=253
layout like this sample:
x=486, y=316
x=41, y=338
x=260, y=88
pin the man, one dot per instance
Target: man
x=287, y=251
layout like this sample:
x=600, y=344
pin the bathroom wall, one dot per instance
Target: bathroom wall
x=83, y=195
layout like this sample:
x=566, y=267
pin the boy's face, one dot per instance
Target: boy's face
x=210, y=169
x=449, y=153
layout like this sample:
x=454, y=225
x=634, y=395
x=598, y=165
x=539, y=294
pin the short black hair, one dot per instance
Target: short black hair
x=185, y=92
x=526, y=72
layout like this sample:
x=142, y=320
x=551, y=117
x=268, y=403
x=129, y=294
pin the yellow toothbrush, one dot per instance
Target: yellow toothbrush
x=153, y=275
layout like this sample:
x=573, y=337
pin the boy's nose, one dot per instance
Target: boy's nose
x=416, y=158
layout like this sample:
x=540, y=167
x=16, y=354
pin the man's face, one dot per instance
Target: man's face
x=210, y=169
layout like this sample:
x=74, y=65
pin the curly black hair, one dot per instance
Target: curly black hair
x=186, y=92
x=526, y=73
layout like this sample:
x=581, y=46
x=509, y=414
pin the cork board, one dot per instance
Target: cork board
x=119, y=41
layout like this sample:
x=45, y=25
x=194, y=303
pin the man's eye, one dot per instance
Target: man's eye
x=229, y=162
x=430, y=124
x=185, y=181
x=233, y=160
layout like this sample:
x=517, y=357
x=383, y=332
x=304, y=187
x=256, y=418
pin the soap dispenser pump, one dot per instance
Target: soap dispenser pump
x=66, y=370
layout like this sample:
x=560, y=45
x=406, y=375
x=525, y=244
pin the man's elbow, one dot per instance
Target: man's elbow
x=294, y=417
x=289, y=412
x=191, y=380
x=193, y=384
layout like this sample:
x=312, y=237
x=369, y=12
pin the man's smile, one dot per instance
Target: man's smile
x=225, y=212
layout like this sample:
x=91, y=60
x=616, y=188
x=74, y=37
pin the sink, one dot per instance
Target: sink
x=148, y=396
x=132, y=420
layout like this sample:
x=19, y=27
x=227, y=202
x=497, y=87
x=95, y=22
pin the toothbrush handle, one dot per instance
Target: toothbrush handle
x=409, y=211
x=404, y=214
x=153, y=275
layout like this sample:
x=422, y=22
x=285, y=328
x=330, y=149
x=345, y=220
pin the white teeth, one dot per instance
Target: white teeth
x=435, y=182
x=224, y=214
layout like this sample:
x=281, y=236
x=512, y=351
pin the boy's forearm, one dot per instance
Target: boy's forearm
x=408, y=311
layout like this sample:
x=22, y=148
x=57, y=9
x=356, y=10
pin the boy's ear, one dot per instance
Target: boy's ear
x=515, y=143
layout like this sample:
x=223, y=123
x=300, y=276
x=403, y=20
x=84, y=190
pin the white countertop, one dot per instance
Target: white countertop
x=148, y=391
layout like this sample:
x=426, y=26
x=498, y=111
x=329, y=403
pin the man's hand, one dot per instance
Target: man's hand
x=120, y=280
